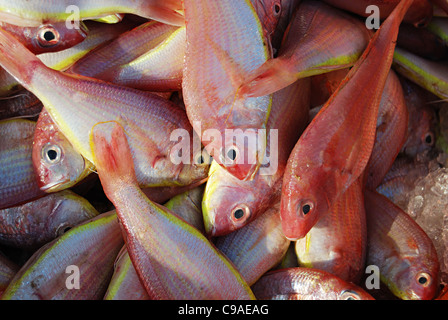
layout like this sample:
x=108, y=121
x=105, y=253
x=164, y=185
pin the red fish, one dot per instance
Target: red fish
x=334, y=149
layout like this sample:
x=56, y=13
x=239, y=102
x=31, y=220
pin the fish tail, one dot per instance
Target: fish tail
x=167, y=11
x=17, y=59
x=113, y=159
x=271, y=76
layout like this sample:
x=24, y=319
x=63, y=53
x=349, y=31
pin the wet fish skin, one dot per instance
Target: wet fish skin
x=82, y=102
x=135, y=58
x=23, y=104
x=38, y=222
x=319, y=39
x=154, y=233
x=391, y=131
x=91, y=246
x=403, y=252
x=335, y=148
x=225, y=194
x=58, y=165
x=215, y=64
x=26, y=13
x=48, y=37
x=257, y=247
x=125, y=283
x=419, y=14
x=338, y=242
x=8, y=269
x=306, y=284
x=18, y=181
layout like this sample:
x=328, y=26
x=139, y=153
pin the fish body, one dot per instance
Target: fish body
x=226, y=197
x=18, y=181
x=335, y=148
x=225, y=41
x=152, y=60
x=404, y=254
x=38, y=222
x=88, y=251
x=172, y=258
x=338, y=242
x=148, y=119
x=313, y=27
x=34, y=13
x=257, y=247
x=306, y=284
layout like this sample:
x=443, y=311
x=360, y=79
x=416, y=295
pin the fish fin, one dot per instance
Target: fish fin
x=167, y=11
x=17, y=59
x=270, y=77
x=113, y=159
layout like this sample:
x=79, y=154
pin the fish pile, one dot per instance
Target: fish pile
x=223, y=150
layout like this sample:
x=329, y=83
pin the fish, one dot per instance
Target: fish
x=421, y=135
x=172, y=258
x=439, y=27
x=338, y=242
x=230, y=203
x=403, y=252
x=419, y=14
x=269, y=12
x=81, y=102
x=217, y=57
x=8, y=270
x=428, y=74
x=187, y=205
x=335, y=148
x=152, y=60
x=391, y=131
x=18, y=181
x=301, y=55
x=75, y=266
x=22, y=104
x=125, y=283
x=61, y=60
x=401, y=178
x=57, y=164
x=39, y=221
x=257, y=247
x=25, y=13
x=299, y=283
x=288, y=7
x=422, y=42
x=48, y=37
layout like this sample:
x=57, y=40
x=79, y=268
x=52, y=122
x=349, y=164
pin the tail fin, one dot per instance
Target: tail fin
x=113, y=160
x=17, y=59
x=270, y=77
x=167, y=11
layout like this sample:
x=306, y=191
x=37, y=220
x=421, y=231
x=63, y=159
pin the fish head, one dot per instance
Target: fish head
x=269, y=12
x=241, y=151
x=57, y=164
x=69, y=210
x=228, y=203
x=421, y=133
x=415, y=280
x=57, y=36
x=302, y=204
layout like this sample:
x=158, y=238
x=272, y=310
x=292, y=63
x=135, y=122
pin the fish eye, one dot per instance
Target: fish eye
x=203, y=158
x=277, y=9
x=429, y=139
x=349, y=295
x=63, y=229
x=231, y=155
x=240, y=213
x=52, y=153
x=306, y=207
x=48, y=37
x=424, y=279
